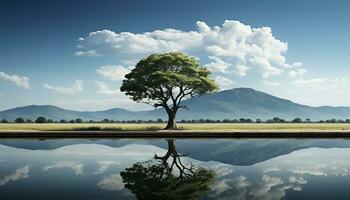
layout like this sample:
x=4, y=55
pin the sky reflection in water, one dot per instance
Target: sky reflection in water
x=129, y=169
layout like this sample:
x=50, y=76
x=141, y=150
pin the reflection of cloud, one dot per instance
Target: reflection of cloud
x=222, y=169
x=299, y=180
x=241, y=182
x=311, y=161
x=269, y=188
x=221, y=186
x=265, y=186
x=76, y=167
x=104, y=166
x=113, y=182
x=20, y=173
x=272, y=169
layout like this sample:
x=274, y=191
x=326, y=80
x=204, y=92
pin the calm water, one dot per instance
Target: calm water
x=174, y=169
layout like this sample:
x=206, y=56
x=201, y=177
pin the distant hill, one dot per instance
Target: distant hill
x=227, y=104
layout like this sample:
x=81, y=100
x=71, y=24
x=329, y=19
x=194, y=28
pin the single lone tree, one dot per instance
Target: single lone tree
x=164, y=80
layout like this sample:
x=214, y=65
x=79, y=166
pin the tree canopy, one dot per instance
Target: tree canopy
x=164, y=80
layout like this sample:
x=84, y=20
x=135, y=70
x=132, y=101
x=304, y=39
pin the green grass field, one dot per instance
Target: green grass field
x=184, y=127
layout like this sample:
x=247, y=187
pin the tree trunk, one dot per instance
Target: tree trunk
x=171, y=146
x=171, y=121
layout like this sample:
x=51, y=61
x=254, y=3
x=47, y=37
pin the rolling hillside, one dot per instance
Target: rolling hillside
x=227, y=104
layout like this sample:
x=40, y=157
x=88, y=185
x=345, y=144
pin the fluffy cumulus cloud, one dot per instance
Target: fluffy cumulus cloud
x=241, y=70
x=104, y=89
x=315, y=83
x=20, y=81
x=233, y=48
x=89, y=53
x=296, y=69
x=77, y=87
x=113, y=72
x=271, y=83
x=223, y=82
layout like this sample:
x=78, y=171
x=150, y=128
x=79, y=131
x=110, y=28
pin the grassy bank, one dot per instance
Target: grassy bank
x=287, y=127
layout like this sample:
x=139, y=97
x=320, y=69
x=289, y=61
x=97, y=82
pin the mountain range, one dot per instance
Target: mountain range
x=228, y=104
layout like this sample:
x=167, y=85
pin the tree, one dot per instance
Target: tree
x=49, y=121
x=105, y=121
x=78, y=120
x=19, y=120
x=164, y=80
x=40, y=120
x=4, y=121
x=276, y=119
x=296, y=120
x=29, y=121
x=167, y=177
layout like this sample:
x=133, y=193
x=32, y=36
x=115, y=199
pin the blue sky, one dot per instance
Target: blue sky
x=73, y=54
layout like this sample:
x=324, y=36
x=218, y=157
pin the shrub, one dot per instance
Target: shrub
x=19, y=120
x=105, y=121
x=296, y=120
x=40, y=120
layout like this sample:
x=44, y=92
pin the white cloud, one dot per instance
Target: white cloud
x=217, y=64
x=221, y=48
x=241, y=70
x=78, y=86
x=76, y=167
x=89, y=53
x=316, y=83
x=113, y=72
x=103, y=89
x=223, y=82
x=20, y=81
x=296, y=69
x=20, y=173
x=271, y=83
x=265, y=67
x=297, y=72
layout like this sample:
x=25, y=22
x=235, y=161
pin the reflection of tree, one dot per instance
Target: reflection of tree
x=166, y=177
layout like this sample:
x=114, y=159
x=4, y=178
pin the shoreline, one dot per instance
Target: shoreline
x=174, y=134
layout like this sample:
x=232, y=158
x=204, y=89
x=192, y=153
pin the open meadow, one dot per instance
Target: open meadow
x=191, y=127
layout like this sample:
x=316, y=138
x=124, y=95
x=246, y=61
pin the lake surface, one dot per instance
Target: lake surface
x=174, y=169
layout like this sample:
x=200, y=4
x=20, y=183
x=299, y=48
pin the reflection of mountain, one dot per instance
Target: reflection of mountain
x=229, y=151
